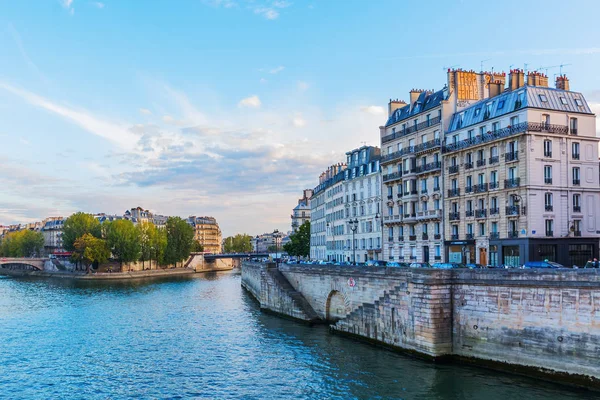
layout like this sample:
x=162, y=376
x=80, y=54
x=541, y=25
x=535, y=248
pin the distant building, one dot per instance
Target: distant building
x=53, y=231
x=301, y=212
x=262, y=243
x=207, y=233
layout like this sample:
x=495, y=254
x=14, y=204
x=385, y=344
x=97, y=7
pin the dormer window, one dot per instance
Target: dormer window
x=543, y=98
x=477, y=111
x=563, y=101
x=579, y=102
x=500, y=104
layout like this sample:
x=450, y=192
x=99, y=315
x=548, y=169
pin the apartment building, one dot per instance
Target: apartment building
x=301, y=213
x=521, y=175
x=207, y=233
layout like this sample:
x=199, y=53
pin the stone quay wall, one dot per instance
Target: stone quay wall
x=538, y=322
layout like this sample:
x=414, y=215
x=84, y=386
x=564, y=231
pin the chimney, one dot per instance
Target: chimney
x=535, y=78
x=414, y=95
x=393, y=105
x=516, y=79
x=562, y=82
x=496, y=88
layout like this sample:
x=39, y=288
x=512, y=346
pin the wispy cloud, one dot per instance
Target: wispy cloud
x=268, y=9
x=375, y=110
x=268, y=13
x=68, y=5
x=30, y=64
x=145, y=111
x=98, y=4
x=252, y=102
x=276, y=70
x=116, y=133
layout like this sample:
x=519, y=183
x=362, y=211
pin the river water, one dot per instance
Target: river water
x=206, y=338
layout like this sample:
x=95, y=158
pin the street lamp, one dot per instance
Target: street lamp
x=353, y=227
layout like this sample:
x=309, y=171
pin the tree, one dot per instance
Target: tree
x=299, y=244
x=272, y=248
x=240, y=243
x=24, y=243
x=180, y=236
x=146, y=232
x=159, y=246
x=90, y=250
x=123, y=240
x=78, y=225
x=197, y=247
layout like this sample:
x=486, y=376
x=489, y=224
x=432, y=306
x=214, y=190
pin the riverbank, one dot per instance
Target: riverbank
x=147, y=274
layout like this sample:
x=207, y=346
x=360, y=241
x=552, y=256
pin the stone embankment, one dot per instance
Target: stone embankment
x=536, y=322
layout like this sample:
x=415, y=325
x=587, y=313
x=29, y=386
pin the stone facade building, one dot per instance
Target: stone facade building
x=52, y=232
x=521, y=171
x=301, y=212
x=207, y=233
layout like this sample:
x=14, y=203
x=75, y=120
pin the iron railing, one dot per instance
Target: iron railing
x=410, y=129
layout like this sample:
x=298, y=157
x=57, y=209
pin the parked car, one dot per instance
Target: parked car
x=448, y=265
x=475, y=266
x=419, y=265
x=375, y=263
x=542, y=264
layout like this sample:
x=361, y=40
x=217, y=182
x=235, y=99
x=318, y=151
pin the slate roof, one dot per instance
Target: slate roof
x=530, y=96
x=426, y=101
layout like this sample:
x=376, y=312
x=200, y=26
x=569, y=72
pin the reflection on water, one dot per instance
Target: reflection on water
x=206, y=338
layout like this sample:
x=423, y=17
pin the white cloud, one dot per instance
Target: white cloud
x=375, y=110
x=116, y=133
x=98, y=4
x=281, y=4
x=252, y=101
x=32, y=66
x=145, y=111
x=68, y=4
x=276, y=70
x=168, y=119
x=267, y=12
x=298, y=121
x=302, y=86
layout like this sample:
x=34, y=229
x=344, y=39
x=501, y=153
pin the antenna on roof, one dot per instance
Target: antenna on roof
x=482, y=61
x=450, y=67
x=561, y=67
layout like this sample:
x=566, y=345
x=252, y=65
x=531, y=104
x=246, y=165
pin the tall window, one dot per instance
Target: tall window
x=494, y=227
x=493, y=176
x=494, y=151
x=454, y=184
x=577, y=203
x=481, y=179
x=494, y=202
x=453, y=161
x=436, y=183
x=573, y=125
x=455, y=230
x=482, y=130
x=548, y=201
x=391, y=233
x=470, y=134
x=577, y=227
x=469, y=205
x=549, y=227
x=436, y=204
x=575, y=150
x=469, y=158
x=436, y=228
x=481, y=229
x=547, y=148
x=469, y=181
x=469, y=229
x=548, y=174
x=576, y=176
x=495, y=126
x=514, y=120
x=512, y=147
x=481, y=204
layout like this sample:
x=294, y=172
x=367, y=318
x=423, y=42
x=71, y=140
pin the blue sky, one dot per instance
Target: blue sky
x=231, y=107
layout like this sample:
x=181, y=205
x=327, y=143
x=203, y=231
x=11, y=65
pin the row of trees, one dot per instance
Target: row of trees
x=23, y=243
x=93, y=243
x=299, y=244
x=240, y=243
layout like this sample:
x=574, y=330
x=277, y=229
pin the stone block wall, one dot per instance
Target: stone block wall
x=251, y=278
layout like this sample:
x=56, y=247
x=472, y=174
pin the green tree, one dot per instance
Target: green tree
x=78, y=225
x=90, y=250
x=240, y=243
x=24, y=243
x=123, y=240
x=146, y=232
x=197, y=247
x=158, y=247
x=180, y=236
x=299, y=244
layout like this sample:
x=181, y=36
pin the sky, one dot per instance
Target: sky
x=230, y=108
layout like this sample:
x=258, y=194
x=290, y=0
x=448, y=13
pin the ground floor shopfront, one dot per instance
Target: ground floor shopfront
x=516, y=252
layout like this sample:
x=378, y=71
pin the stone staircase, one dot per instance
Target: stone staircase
x=309, y=314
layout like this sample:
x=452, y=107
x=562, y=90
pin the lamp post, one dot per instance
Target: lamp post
x=353, y=227
x=276, y=235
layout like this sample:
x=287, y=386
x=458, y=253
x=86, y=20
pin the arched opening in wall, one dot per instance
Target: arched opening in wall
x=335, y=307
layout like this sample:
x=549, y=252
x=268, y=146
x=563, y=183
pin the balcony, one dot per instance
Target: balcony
x=494, y=160
x=468, y=165
x=411, y=129
x=389, y=219
x=576, y=182
x=470, y=236
x=481, y=213
x=512, y=183
x=494, y=185
x=399, y=195
x=454, y=236
x=513, y=234
x=454, y=216
x=469, y=213
x=437, y=258
x=453, y=169
x=425, y=236
x=548, y=181
x=573, y=131
x=429, y=214
x=410, y=217
x=494, y=235
x=576, y=233
x=512, y=156
x=469, y=189
x=432, y=144
x=423, y=191
x=494, y=211
x=549, y=207
x=453, y=192
x=480, y=163
x=390, y=196
x=549, y=233
x=481, y=188
x=390, y=239
x=414, y=191
x=401, y=238
x=436, y=188
x=512, y=210
x=437, y=236
x=432, y=166
x=392, y=177
x=577, y=209
x=412, y=237
x=575, y=156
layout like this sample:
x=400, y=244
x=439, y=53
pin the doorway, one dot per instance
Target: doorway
x=426, y=254
x=483, y=256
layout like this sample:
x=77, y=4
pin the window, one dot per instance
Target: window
x=470, y=134
x=469, y=229
x=575, y=150
x=493, y=176
x=438, y=250
x=469, y=205
x=436, y=134
x=548, y=201
x=576, y=203
x=512, y=173
x=477, y=112
x=514, y=120
x=547, y=148
x=579, y=102
x=423, y=138
x=576, y=176
x=488, y=110
x=436, y=228
x=500, y=104
x=481, y=229
x=454, y=161
x=480, y=155
x=455, y=230
x=482, y=130
x=547, y=174
x=436, y=204
x=495, y=126
x=454, y=184
x=520, y=100
x=460, y=119
x=481, y=204
x=469, y=181
x=481, y=179
x=391, y=232
x=494, y=227
x=469, y=158
x=549, y=227
x=573, y=125
x=436, y=183
x=390, y=191
x=455, y=139
x=563, y=101
x=494, y=202
x=543, y=98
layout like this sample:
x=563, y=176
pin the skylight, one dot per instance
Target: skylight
x=564, y=101
x=579, y=102
x=543, y=98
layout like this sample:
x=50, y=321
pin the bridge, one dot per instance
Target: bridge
x=236, y=255
x=32, y=264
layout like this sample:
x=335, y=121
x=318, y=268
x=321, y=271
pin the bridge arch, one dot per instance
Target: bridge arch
x=20, y=266
x=336, y=307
